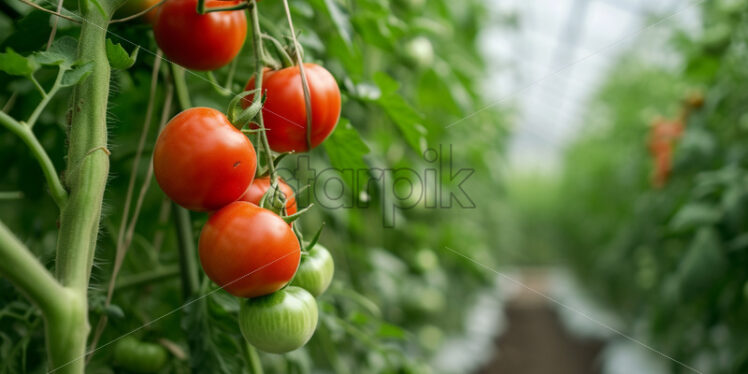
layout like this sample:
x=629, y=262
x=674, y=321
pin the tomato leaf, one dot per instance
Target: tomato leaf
x=345, y=149
x=62, y=52
x=76, y=74
x=15, y=64
x=387, y=330
x=118, y=57
x=407, y=119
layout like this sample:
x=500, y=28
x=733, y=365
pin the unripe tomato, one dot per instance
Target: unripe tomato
x=248, y=250
x=281, y=322
x=132, y=7
x=315, y=270
x=260, y=185
x=284, y=112
x=139, y=357
x=201, y=161
x=200, y=41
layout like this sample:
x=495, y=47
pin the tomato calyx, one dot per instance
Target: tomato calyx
x=241, y=117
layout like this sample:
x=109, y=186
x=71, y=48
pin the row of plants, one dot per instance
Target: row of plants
x=649, y=209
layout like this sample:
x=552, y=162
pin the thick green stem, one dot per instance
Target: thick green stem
x=48, y=168
x=86, y=177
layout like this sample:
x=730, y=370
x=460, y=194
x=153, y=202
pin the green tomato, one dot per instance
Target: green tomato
x=140, y=357
x=280, y=322
x=315, y=270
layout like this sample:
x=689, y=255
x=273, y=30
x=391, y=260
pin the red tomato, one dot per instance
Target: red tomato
x=261, y=185
x=201, y=161
x=248, y=250
x=200, y=41
x=284, y=111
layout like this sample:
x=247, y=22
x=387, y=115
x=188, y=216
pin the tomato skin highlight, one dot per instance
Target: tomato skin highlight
x=260, y=185
x=201, y=161
x=281, y=322
x=139, y=357
x=248, y=250
x=284, y=112
x=200, y=41
x=316, y=270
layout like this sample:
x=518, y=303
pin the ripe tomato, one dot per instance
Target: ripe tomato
x=261, y=185
x=315, y=270
x=139, y=357
x=132, y=7
x=284, y=112
x=201, y=161
x=248, y=250
x=280, y=322
x=200, y=41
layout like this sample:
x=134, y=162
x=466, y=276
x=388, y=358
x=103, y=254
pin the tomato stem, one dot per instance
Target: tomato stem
x=257, y=50
x=57, y=190
x=304, y=82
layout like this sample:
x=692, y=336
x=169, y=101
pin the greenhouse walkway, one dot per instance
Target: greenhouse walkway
x=535, y=340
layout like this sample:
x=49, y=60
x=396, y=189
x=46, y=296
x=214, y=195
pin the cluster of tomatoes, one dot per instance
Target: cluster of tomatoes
x=663, y=136
x=205, y=163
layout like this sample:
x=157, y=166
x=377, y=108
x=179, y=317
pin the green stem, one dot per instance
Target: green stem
x=46, y=98
x=38, y=86
x=11, y=195
x=239, y=6
x=187, y=261
x=23, y=269
x=86, y=176
x=255, y=366
x=48, y=168
x=257, y=50
x=147, y=277
x=183, y=95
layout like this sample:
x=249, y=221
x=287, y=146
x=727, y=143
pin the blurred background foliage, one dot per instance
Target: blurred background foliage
x=407, y=69
x=671, y=261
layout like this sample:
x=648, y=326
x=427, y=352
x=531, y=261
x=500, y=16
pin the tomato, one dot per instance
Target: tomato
x=248, y=250
x=200, y=41
x=284, y=112
x=201, y=161
x=132, y=7
x=260, y=185
x=140, y=357
x=280, y=322
x=315, y=270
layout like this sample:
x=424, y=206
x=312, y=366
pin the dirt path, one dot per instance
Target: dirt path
x=535, y=341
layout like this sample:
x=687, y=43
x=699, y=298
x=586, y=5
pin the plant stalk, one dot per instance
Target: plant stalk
x=86, y=177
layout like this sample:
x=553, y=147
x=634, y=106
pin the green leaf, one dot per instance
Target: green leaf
x=340, y=20
x=76, y=74
x=695, y=215
x=346, y=150
x=407, y=119
x=15, y=64
x=387, y=330
x=62, y=52
x=118, y=57
x=703, y=264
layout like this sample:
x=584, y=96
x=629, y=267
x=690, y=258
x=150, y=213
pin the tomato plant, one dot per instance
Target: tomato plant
x=139, y=357
x=285, y=110
x=248, y=250
x=261, y=185
x=201, y=161
x=281, y=322
x=315, y=270
x=199, y=41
